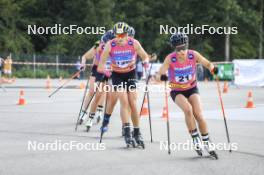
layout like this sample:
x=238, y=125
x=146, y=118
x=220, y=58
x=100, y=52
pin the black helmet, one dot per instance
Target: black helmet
x=131, y=32
x=179, y=39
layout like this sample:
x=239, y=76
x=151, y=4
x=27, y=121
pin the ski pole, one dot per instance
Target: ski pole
x=84, y=97
x=76, y=125
x=71, y=78
x=146, y=93
x=168, y=121
x=106, y=97
x=223, y=110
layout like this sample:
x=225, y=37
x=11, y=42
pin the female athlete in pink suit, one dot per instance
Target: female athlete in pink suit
x=181, y=67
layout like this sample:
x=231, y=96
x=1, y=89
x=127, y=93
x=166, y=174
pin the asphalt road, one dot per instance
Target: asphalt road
x=51, y=120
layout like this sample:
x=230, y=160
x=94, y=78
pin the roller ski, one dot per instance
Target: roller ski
x=139, y=139
x=103, y=129
x=213, y=154
x=209, y=148
x=128, y=138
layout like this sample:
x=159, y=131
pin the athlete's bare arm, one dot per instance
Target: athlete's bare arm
x=90, y=54
x=141, y=52
x=205, y=62
x=104, y=56
x=164, y=68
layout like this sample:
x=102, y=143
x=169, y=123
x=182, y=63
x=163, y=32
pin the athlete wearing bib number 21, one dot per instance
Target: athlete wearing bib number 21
x=123, y=52
x=181, y=67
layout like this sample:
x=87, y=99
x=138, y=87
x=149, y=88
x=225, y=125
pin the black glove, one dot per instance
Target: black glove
x=164, y=77
x=82, y=68
x=215, y=70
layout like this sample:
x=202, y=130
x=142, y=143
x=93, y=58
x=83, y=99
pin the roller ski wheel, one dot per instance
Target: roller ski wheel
x=213, y=155
x=130, y=143
x=209, y=148
x=199, y=152
x=88, y=128
x=140, y=144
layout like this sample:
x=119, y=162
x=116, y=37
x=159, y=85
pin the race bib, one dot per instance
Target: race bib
x=183, y=78
x=123, y=63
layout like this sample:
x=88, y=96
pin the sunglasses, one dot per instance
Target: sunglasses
x=181, y=48
x=121, y=35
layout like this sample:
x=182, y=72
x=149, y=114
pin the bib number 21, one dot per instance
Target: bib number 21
x=183, y=78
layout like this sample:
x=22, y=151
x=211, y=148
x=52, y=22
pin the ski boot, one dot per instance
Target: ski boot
x=123, y=131
x=138, y=139
x=210, y=149
x=104, y=127
x=89, y=124
x=99, y=116
x=198, y=145
x=128, y=137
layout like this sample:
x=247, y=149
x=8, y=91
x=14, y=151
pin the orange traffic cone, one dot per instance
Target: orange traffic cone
x=21, y=100
x=250, y=103
x=48, y=82
x=225, y=90
x=164, y=113
x=145, y=111
x=82, y=86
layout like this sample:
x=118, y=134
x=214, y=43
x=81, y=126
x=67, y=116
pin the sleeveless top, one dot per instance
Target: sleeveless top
x=182, y=76
x=123, y=58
